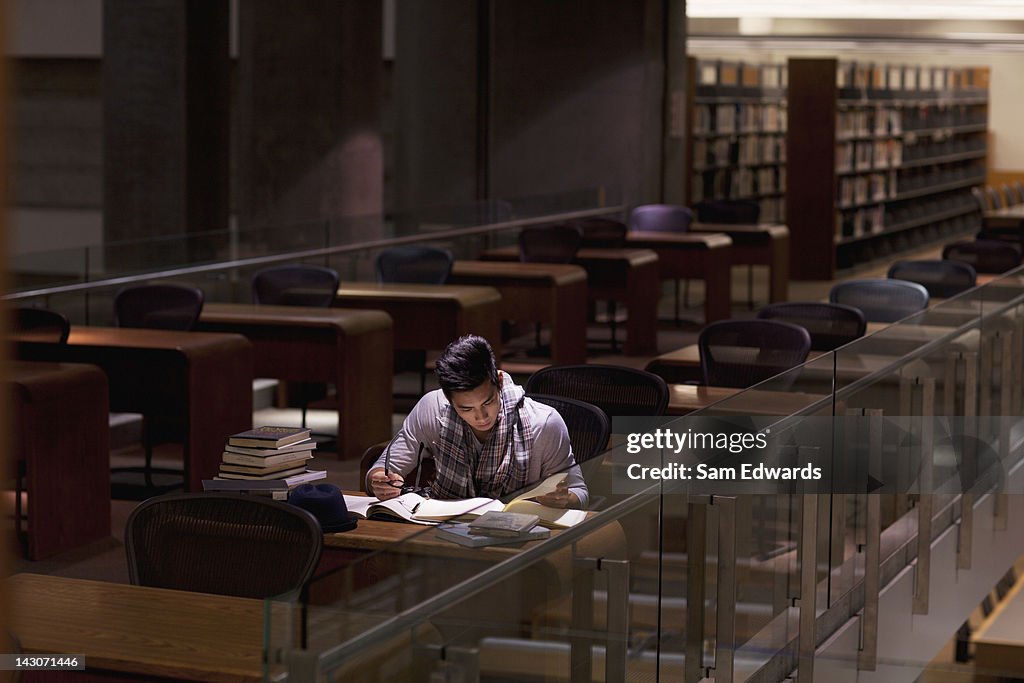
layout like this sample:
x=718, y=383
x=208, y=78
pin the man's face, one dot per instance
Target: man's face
x=478, y=407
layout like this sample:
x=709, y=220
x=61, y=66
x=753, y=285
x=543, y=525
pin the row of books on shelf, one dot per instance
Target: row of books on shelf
x=875, y=187
x=267, y=460
x=868, y=155
x=739, y=182
x=876, y=219
x=881, y=120
x=725, y=74
x=746, y=150
x=910, y=77
x=739, y=117
x=933, y=148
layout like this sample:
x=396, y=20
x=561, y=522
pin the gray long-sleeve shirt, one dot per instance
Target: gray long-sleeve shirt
x=552, y=451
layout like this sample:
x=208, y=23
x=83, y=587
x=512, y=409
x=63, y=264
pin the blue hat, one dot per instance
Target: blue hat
x=326, y=503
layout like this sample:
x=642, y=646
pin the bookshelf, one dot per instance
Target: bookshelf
x=738, y=134
x=885, y=159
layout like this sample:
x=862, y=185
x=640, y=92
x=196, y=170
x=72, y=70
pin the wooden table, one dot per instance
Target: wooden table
x=628, y=276
x=60, y=434
x=203, y=378
x=554, y=294
x=683, y=365
x=758, y=245
x=348, y=348
x=686, y=398
x=1007, y=217
x=700, y=256
x=429, y=317
x=999, y=643
x=125, y=629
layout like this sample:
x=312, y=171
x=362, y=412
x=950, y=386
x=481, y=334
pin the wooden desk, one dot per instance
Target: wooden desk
x=141, y=631
x=685, y=399
x=701, y=256
x=999, y=643
x=348, y=348
x=60, y=432
x=551, y=293
x=201, y=377
x=429, y=317
x=628, y=276
x=1007, y=217
x=683, y=365
x=758, y=245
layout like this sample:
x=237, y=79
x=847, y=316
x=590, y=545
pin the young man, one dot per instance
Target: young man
x=486, y=438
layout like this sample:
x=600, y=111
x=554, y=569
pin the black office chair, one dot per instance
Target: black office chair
x=617, y=390
x=664, y=218
x=942, y=278
x=414, y=264
x=985, y=256
x=587, y=424
x=40, y=324
x=602, y=233
x=993, y=198
x=742, y=353
x=227, y=544
x=163, y=307
x=881, y=300
x=158, y=306
x=549, y=243
x=297, y=285
x=830, y=325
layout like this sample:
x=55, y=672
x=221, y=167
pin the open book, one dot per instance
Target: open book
x=412, y=507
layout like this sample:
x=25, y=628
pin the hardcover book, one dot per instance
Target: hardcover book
x=304, y=445
x=269, y=437
x=297, y=457
x=506, y=524
x=460, y=532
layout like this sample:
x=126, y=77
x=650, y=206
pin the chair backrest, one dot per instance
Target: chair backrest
x=742, y=353
x=830, y=325
x=606, y=233
x=588, y=425
x=661, y=218
x=881, y=300
x=941, y=278
x=415, y=264
x=985, y=256
x=295, y=284
x=371, y=454
x=1018, y=188
x=41, y=324
x=228, y=544
x=1008, y=195
x=736, y=211
x=617, y=390
x=979, y=199
x=158, y=306
x=549, y=243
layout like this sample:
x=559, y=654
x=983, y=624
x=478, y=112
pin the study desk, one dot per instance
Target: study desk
x=138, y=631
x=429, y=317
x=60, y=433
x=758, y=245
x=1007, y=217
x=348, y=348
x=684, y=399
x=999, y=643
x=628, y=276
x=202, y=378
x=700, y=256
x=554, y=294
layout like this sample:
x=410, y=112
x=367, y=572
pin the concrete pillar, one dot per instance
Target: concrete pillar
x=166, y=132
x=310, y=75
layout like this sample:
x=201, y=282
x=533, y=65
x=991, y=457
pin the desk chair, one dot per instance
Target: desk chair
x=602, y=233
x=993, y=199
x=742, y=353
x=979, y=199
x=588, y=425
x=297, y=285
x=881, y=300
x=162, y=307
x=416, y=264
x=614, y=389
x=942, y=278
x=985, y=256
x=227, y=544
x=830, y=325
x=549, y=243
x=36, y=324
x=664, y=218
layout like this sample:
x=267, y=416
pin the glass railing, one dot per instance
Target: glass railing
x=871, y=566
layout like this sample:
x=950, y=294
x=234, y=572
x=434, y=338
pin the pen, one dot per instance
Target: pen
x=415, y=508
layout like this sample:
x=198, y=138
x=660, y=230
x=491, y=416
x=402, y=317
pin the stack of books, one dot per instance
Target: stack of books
x=494, y=528
x=266, y=459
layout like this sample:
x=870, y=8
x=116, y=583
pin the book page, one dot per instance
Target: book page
x=541, y=489
x=357, y=504
x=431, y=509
x=558, y=518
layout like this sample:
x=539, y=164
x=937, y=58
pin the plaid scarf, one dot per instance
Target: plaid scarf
x=503, y=464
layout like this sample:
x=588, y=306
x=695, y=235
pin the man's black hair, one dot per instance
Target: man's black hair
x=465, y=364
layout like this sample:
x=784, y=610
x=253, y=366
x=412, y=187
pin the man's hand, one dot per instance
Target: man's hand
x=561, y=497
x=380, y=487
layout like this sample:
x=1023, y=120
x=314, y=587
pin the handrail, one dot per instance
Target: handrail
x=311, y=253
